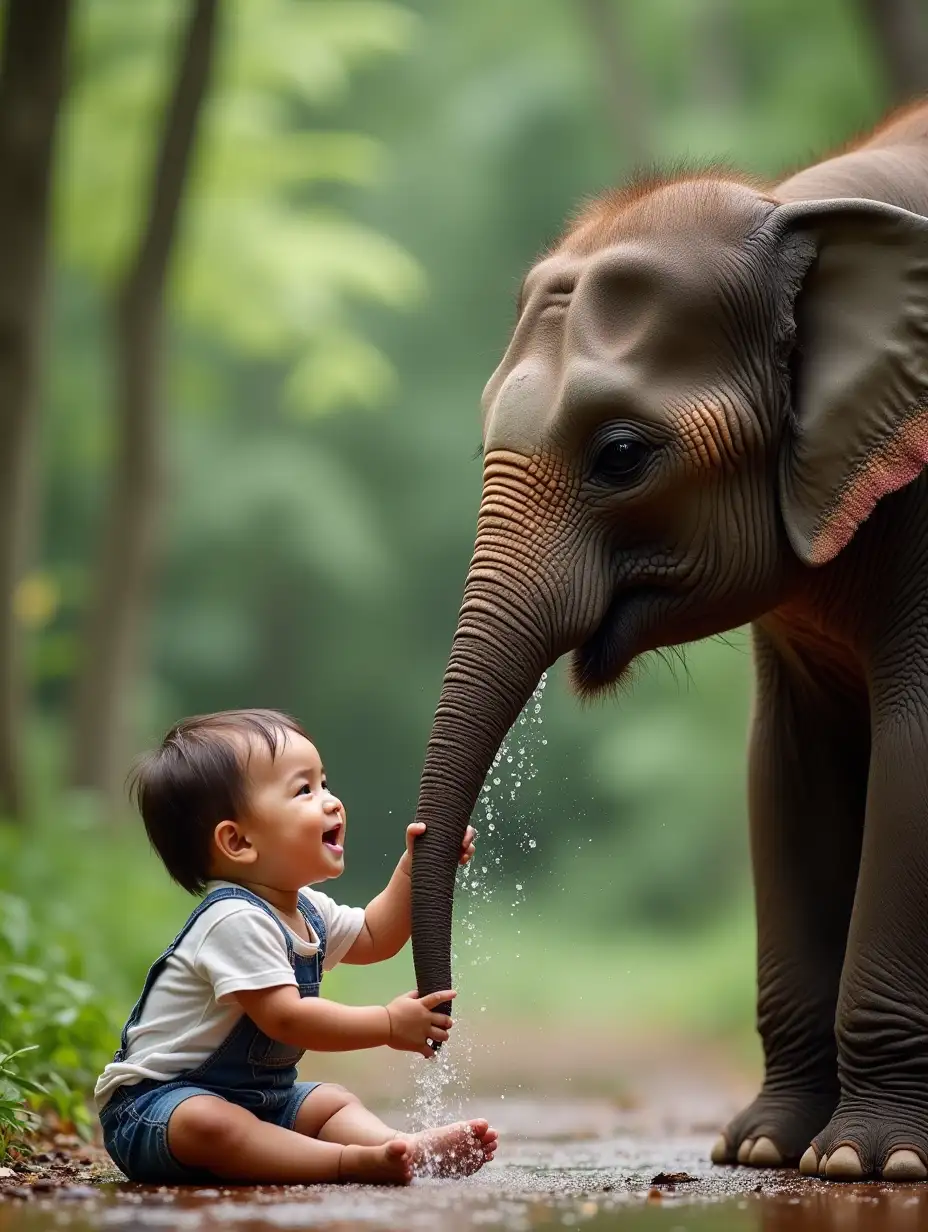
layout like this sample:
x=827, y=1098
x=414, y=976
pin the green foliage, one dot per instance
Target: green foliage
x=264, y=265
x=55, y=1037
x=17, y=1118
x=316, y=562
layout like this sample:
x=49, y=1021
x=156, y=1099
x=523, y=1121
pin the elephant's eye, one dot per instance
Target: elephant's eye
x=621, y=459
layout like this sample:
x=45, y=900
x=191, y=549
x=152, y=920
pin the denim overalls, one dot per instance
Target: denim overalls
x=248, y=1068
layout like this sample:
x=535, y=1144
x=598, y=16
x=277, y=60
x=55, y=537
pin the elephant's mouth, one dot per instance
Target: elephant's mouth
x=601, y=661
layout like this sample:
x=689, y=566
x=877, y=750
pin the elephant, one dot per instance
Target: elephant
x=713, y=412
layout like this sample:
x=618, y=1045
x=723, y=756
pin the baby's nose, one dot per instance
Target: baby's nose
x=332, y=804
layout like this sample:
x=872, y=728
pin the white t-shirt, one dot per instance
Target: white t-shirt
x=233, y=946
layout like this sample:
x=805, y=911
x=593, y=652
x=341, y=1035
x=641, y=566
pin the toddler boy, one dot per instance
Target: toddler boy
x=204, y=1083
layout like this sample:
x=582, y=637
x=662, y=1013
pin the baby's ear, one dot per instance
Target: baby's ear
x=232, y=843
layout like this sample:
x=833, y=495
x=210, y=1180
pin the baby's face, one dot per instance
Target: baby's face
x=294, y=822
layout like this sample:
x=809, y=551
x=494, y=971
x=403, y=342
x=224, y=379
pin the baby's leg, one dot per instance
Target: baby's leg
x=332, y=1114
x=209, y=1133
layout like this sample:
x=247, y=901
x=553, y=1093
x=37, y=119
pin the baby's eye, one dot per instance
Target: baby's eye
x=305, y=790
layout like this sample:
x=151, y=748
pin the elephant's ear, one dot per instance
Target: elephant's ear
x=859, y=423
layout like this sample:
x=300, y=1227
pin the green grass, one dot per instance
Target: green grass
x=533, y=963
x=55, y=1034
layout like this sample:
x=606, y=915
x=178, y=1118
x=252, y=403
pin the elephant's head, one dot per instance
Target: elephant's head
x=706, y=392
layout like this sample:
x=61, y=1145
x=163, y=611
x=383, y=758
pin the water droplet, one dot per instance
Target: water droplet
x=492, y=825
x=496, y=782
x=518, y=885
x=532, y=843
x=538, y=707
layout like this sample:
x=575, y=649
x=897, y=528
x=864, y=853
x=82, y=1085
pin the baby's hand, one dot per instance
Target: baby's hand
x=418, y=827
x=413, y=1022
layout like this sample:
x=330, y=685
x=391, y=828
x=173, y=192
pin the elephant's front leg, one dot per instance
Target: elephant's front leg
x=880, y=1127
x=808, y=776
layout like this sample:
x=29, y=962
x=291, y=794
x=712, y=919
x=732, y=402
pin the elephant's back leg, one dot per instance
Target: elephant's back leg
x=809, y=757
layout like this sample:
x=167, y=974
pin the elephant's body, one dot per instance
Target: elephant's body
x=714, y=410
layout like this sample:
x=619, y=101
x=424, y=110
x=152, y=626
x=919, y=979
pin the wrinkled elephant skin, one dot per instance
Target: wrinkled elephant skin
x=714, y=410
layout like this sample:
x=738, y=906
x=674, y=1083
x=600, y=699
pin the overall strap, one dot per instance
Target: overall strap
x=214, y=896
x=314, y=918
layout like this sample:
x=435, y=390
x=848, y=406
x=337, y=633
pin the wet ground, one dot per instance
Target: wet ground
x=605, y=1162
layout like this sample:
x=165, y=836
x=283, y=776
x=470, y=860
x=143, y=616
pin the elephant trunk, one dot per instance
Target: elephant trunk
x=516, y=619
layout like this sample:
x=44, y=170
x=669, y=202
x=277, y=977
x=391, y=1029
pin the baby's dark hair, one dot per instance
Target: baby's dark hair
x=197, y=778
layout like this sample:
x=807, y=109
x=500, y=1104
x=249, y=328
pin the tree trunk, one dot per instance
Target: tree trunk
x=900, y=31
x=120, y=594
x=626, y=101
x=32, y=75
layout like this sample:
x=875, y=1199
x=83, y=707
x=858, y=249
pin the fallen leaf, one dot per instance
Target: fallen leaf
x=672, y=1178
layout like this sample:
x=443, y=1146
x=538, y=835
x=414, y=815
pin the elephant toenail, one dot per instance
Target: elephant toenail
x=904, y=1165
x=844, y=1165
x=808, y=1165
x=822, y=1165
x=744, y=1150
x=765, y=1154
x=720, y=1153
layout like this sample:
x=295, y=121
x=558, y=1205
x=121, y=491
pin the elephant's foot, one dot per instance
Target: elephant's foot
x=867, y=1138
x=774, y=1131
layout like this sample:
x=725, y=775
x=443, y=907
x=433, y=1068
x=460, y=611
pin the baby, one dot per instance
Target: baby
x=204, y=1083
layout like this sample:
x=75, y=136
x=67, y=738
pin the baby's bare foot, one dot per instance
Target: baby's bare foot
x=452, y=1150
x=390, y=1164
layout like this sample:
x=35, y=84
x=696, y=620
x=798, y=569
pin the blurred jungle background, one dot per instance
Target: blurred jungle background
x=258, y=259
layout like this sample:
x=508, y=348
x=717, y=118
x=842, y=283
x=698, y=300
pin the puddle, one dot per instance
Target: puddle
x=600, y=1181
x=510, y=1202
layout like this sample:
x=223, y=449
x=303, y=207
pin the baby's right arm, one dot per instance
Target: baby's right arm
x=407, y=1023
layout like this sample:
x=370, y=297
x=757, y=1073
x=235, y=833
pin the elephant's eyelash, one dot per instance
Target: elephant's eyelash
x=478, y=453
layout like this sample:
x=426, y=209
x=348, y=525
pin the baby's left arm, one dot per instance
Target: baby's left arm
x=388, y=917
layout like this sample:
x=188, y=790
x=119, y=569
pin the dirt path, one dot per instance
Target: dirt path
x=594, y=1161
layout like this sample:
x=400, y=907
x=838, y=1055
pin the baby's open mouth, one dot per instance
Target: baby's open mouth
x=330, y=838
